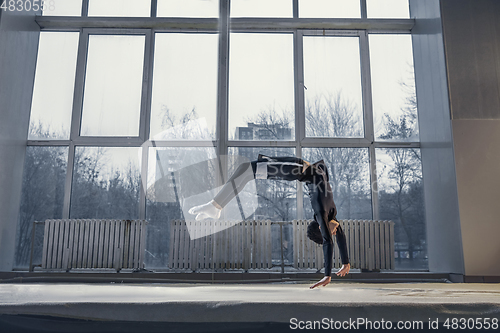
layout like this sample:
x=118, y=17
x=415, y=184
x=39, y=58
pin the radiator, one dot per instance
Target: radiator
x=241, y=246
x=79, y=243
x=370, y=245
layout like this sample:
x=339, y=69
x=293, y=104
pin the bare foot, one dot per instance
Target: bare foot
x=323, y=282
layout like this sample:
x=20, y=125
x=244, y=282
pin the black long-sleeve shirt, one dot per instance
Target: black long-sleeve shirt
x=320, y=193
x=316, y=178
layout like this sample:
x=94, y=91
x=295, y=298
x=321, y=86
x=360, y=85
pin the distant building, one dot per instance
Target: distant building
x=263, y=132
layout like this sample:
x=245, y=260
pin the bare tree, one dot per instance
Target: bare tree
x=186, y=126
x=42, y=194
x=273, y=125
x=330, y=116
x=334, y=116
x=42, y=190
x=402, y=198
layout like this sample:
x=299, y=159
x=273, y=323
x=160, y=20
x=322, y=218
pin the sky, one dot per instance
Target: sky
x=185, y=77
x=52, y=99
x=260, y=76
x=391, y=64
x=113, y=85
x=331, y=67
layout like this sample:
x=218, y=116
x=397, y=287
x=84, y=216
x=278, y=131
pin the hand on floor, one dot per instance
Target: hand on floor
x=344, y=270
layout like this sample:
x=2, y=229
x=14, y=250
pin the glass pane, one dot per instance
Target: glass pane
x=62, y=8
x=52, y=101
x=388, y=8
x=393, y=87
x=113, y=86
x=276, y=198
x=332, y=79
x=106, y=183
x=169, y=193
x=188, y=8
x=132, y=8
x=261, y=8
x=261, y=91
x=401, y=200
x=184, y=87
x=349, y=173
x=42, y=196
x=329, y=8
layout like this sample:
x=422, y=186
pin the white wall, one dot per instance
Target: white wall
x=477, y=153
x=472, y=43
x=18, y=47
x=440, y=189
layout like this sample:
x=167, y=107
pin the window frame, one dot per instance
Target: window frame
x=223, y=26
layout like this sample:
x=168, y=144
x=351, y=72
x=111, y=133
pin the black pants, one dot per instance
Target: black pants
x=279, y=168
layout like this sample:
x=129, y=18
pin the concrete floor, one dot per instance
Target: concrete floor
x=228, y=304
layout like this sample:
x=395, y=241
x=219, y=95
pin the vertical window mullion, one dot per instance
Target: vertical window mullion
x=154, y=8
x=150, y=59
x=300, y=122
x=146, y=87
x=364, y=12
x=144, y=181
x=223, y=86
x=373, y=183
x=81, y=65
x=146, y=119
x=85, y=8
x=368, y=116
x=68, y=181
x=76, y=112
x=300, y=127
x=366, y=87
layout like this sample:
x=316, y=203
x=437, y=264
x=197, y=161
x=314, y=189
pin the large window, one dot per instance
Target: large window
x=119, y=8
x=113, y=83
x=171, y=188
x=261, y=96
x=54, y=84
x=184, y=100
x=349, y=173
x=329, y=8
x=332, y=87
x=106, y=183
x=188, y=8
x=134, y=117
x=261, y=8
x=393, y=86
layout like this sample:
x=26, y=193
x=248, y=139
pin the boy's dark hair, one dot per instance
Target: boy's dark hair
x=313, y=232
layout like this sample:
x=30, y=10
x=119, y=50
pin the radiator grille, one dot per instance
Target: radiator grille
x=241, y=246
x=85, y=243
x=370, y=245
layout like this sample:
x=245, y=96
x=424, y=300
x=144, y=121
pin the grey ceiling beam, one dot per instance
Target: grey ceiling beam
x=64, y=22
x=56, y=22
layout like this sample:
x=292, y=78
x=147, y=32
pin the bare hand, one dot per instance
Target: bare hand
x=323, y=282
x=344, y=270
